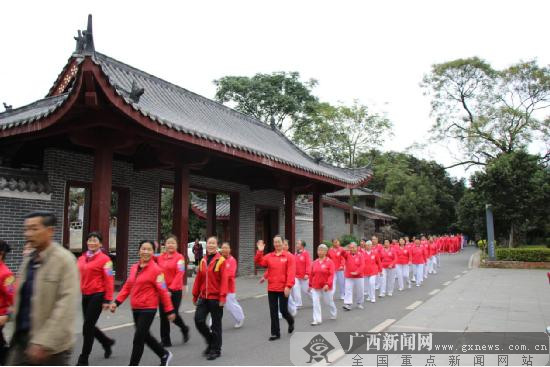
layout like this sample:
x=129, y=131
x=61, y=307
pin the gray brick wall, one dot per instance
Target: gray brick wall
x=63, y=166
x=304, y=231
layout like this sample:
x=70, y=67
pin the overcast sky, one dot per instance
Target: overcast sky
x=376, y=52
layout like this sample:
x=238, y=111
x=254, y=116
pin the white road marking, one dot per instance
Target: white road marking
x=117, y=326
x=457, y=276
x=414, y=305
x=189, y=311
x=465, y=271
x=380, y=327
x=447, y=282
x=260, y=295
x=435, y=291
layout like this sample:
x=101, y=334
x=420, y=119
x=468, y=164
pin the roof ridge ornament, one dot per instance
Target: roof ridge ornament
x=136, y=92
x=85, y=40
x=8, y=107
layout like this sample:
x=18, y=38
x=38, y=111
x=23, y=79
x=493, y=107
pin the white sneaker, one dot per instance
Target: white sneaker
x=360, y=307
x=418, y=284
x=372, y=301
x=239, y=324
x=382, y=295
x=390, y=294
x=294, y=313
x=315, y=323
x=400, y=289
x=346, y=307
x=409, y=285
x=333, y=317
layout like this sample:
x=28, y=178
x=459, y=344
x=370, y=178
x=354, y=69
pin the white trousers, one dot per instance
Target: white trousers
x=291, y=304
x=387, y=281
x=316, y=296
x=438, y=260
x=354, y=291
x=402, y=273
x=233, y=306
x=300, y=285
x=426, y=268
x=419, y=273
x=370, y=286
x=339, y=280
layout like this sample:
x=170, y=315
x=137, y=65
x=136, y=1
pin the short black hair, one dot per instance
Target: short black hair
x=48, y=218
x=146, y=241
x=4, y=247
x=95, y=234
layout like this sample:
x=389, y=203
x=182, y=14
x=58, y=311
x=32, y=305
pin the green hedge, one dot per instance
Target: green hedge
x=523, y=254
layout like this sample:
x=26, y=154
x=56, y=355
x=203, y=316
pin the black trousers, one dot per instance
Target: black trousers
x=165, y=324
x=213, y=335
x=278, y=302
x=3, y=347
x=91, y=309
x=142, y=323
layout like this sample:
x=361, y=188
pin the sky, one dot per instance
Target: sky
x=374, y=51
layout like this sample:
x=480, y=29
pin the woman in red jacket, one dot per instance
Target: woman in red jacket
x=387, y=278
x=321, y=280
x=97, y=285
x=371, y=269
x=353, y=274
x=145, y=286
x=7, y=289
x=280, y=280
x=303, y=267
x=232, y=304
x=209, y=295
x=172, y=264
x=404, y=258
x=418, y=258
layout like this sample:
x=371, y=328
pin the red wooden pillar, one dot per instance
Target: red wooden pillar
x=290, y=218
x=317, y=222
x=101, y=193
x=210, y=214
x=180, y=220
x=234, y=212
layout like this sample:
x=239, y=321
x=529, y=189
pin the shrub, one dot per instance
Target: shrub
x=523, y=254
x=347, y=239
x=328, y=243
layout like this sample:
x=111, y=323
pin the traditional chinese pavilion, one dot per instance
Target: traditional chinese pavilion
x=111, y=130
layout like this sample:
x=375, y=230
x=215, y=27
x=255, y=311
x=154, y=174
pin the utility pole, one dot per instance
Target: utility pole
x=490, y=231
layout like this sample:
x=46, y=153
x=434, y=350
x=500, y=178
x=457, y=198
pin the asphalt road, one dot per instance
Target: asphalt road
x=249, y=345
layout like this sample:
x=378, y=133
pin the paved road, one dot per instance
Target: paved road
x=249, y=345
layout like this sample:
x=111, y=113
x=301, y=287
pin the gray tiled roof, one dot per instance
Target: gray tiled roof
x=24, y=180
x=222, y=205
x=31, y=112
x=190, y=113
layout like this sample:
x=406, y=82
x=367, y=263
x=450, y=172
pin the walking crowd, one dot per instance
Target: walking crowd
x=42, y=299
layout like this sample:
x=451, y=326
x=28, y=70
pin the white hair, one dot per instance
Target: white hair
x=369, y=242
x=323, y=246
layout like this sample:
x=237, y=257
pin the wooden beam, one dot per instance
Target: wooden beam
x=234, y=213
x=317, y=222
x=290, y=218
x=101, y=192
x=180, y=219
x=210, y=214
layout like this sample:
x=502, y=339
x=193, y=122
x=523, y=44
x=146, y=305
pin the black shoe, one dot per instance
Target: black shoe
x=213, y=355
x=290, y=328
x=165, y=359
x=206, y=352
x=108, y=348
x=274, y=337
x=166, y=344
x=185, y=332
x=82, y=361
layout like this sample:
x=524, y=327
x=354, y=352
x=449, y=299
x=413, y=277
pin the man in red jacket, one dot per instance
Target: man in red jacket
x=280, y=280
x=335, y=254
x=209, y=295
x=303, y=269
x=353, y=274
x=232, y=304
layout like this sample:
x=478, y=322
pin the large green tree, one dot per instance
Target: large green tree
x=517, y=185
x=488, y=111
x=280, y=97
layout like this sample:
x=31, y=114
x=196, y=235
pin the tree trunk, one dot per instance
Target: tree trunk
x=511, y=241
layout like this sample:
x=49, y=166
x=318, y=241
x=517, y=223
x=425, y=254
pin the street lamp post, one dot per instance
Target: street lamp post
x=490, y=231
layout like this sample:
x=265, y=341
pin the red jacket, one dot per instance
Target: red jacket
x=432, y=247
x=212, y=280
x=372, y=264
x=303, y=264
x=7, y=289
x=322, y=273
x=388, y=259
x=173, y=267
x=418, y=255
x=281, y=269
x=231, y=269
x=404, y=255
x=146, y=286
x=96, y=275
x=335, y=254
x=353, y=264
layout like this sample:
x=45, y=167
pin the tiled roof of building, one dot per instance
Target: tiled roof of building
x=24, y=180
x=200, y=206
